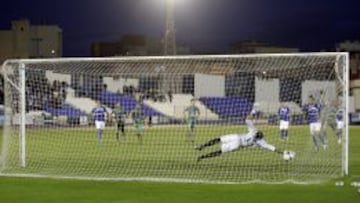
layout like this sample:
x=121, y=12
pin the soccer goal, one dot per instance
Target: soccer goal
x=142, y=118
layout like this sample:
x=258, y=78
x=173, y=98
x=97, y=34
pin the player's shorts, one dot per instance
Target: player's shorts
x=333, y=125
x=139, y=128
x=315, y=127
x=100, y=124
x=284, y=125
x=191, y=123
x=339, y=125
x=120, y=124
x=230, y=142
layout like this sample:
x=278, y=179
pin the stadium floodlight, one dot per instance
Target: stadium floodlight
x=111, y=119
x=169, y=34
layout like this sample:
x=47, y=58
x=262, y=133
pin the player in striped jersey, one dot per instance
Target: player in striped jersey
x=312, y=111
x=99, y=114
x=284, y=115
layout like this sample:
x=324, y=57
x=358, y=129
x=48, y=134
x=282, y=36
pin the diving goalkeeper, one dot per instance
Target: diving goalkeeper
x=232, y=142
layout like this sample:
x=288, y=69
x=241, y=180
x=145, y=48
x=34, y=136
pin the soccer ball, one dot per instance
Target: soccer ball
x=288, y=155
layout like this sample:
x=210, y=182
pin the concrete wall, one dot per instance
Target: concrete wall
x=355, y=89
x=267, y=90
x=6, y=45
x=209, y=85
x=351, y=104
x=21, y=38
x=46, y=41
x=51, y=76
x=310, y=87
x=117, y=84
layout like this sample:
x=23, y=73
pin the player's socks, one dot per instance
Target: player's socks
x=117, y=136
x=209, y=155
x=99, y=135
x=316, y=141
x=282, y=134
x=338, y=133
x=208, y=143
x=323, y=138
x=286, y=134
x=191, y=135
x=139, y=138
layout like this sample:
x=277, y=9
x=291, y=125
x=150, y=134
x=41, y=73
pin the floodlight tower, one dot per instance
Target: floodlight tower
x=170, y=37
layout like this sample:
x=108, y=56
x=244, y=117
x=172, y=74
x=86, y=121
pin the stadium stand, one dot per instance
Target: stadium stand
x=273, y=107
x=228, y=107
x=127, y=102
x=83, y=103
x=65, y=110
x=175, y=108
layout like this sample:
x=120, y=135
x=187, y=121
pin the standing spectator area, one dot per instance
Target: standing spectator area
x=228, y=107
x=175, y=108
x=127, y=102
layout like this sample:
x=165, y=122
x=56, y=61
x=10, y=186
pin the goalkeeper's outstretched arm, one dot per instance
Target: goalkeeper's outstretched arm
x=287, y=155
x=263, y=144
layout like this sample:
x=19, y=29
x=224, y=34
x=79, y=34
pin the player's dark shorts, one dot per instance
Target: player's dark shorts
x=139, y=127
x=121, y=125
x=191, y=123
x=332, y=125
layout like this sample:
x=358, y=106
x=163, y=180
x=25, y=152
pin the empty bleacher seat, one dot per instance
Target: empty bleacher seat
x=227, y=107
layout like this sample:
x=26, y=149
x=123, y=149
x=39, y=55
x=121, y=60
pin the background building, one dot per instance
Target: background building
x=133, y=45
x=24, y=40
x=354, y=51
x=258, y=47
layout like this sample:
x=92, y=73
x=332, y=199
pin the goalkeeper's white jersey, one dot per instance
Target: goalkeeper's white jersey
x=249, y=140
x=232, y=142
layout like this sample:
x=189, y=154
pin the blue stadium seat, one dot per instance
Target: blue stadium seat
x=128, y=103
x=65, y=110
x=228, y=107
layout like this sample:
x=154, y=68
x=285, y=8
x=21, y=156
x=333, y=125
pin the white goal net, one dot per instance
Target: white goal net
x=177, y=118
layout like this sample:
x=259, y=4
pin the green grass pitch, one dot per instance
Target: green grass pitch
x=70, y=146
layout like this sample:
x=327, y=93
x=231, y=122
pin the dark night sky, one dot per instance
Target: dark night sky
x=201, y=24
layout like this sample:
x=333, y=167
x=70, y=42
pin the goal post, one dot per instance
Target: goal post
x=160, y=108
x=22, y=124
x=346, y=89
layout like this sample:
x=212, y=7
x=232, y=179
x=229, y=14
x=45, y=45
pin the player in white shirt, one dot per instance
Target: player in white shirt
x=254, y=114
x=99, y=114
x=232, y=142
